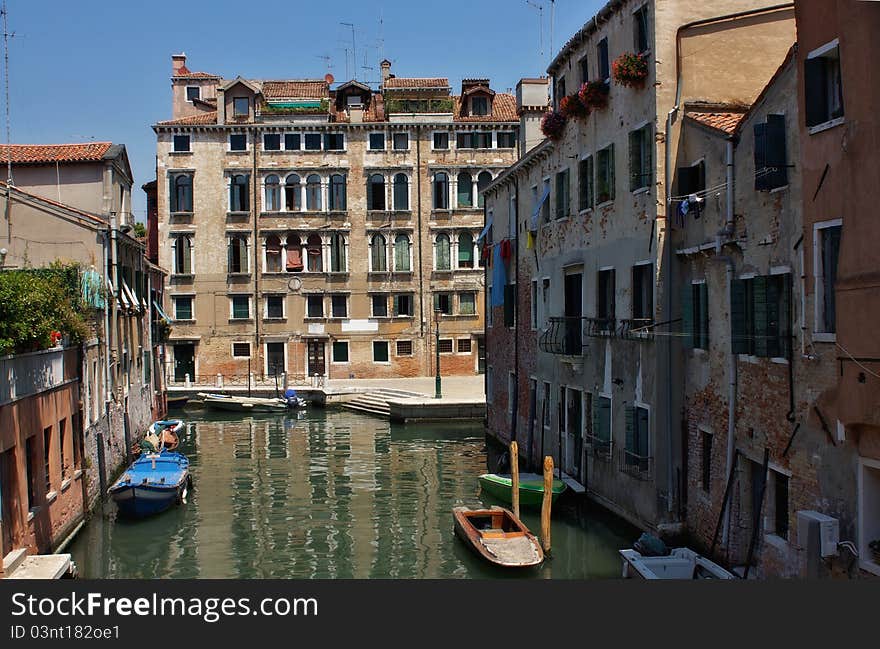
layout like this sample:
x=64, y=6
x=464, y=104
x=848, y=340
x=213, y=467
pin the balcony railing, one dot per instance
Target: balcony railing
x=24, y=375
x=636, y=329
x=599, y=447
x=638, y=466
x=564, y=335
x=601, y=327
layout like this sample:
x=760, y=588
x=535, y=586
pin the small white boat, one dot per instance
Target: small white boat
x=680, y=563
x=243, y=404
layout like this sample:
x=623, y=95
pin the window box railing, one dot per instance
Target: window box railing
x=599, y=447
x=601, y=327
x=637, y=329
x=638, y=466
x=564, y=335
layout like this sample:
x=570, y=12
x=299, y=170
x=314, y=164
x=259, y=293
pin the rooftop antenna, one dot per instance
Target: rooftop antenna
x=353, y=46
x=366, y=68
x=6, y=36
x=552, y=17
x=540, y=8
x=380, y=42
x=326, y=59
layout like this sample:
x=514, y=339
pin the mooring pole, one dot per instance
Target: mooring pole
x=546, y=504
x=514, y=477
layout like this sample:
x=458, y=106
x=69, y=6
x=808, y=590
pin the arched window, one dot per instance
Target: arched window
x=314, y=254
x=238, y=254
x=292, y=196
x=238, y=193
x=465, y=250
x=465, y=190
x=313, y=193
x=273, y=194
x=182, y=255
x=401, y=192
x=401, y=253
x=273, y=254
x=181, y=194
x=293, y=262
x=337, y=197
x=441, y=191
x=378, y=254
x=441, y=252
x=483, y=181
x=376, y=192
x=337, y=253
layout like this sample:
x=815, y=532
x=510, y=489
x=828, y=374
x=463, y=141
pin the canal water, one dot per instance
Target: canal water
x=332, y=494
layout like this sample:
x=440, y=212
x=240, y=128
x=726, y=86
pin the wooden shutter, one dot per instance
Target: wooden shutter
x=597, y=418
x=774, y=151
x=703, y=315
x=738, y=316
x=630, y=429
x=634, y=160
x=760, y=131
x=642, y=422
x=687, y=315
x=611, y=172
x=762, y=315
x=774, y=324
x=785, y=333
x=815, y=82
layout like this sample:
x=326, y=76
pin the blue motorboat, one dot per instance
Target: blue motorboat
x=153, y=483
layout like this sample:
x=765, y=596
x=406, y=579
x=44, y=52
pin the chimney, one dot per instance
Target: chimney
x=178, y=62
x=532, y=100
x=385, y=66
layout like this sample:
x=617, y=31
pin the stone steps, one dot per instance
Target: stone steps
x=375, y=401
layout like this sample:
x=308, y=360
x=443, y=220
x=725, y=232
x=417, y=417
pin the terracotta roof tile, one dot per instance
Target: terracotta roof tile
x=416, y=82
x=503, y=110
x=720, y=121
x=192, y=120
x=183, y=73
x=302, y=89
x=44, y=153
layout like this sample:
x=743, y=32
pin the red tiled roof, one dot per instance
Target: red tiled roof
x=192, y=120
x=305, y=89
x=184, y=73
x=503, y=110
x=417, y=82
x=44, y=153
x=720, y=121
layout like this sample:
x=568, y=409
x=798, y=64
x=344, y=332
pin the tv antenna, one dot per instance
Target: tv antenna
x=326, y=59
x=540, y=8
x=353, y=47
x=6, y=37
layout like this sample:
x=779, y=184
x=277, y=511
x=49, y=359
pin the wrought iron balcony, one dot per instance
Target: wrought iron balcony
x=564, y=335
x=601, y=327
x=637, y=329
x=638, y=466
x=599, y=447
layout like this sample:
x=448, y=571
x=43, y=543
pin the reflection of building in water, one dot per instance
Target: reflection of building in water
x=217, y=445
x=360, y=468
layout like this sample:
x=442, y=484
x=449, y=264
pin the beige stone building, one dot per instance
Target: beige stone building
x=315, y=231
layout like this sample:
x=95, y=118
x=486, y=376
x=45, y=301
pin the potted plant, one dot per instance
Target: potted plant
x=630, y=69
x=572, y=106
x=594, y=95
x=553, y=124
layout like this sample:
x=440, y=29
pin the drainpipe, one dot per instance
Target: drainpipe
x=114, y=274
x=667, y=301
x=418, y=176
x=516, y=322
x=255, y=271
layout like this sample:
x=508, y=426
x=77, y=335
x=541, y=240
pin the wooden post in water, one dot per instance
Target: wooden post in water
x=514, y=477
x=545, y=505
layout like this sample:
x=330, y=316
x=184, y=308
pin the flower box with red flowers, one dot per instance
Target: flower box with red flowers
x=553, y=124
x=594, y=95
x=572, y=107
x=630, y=69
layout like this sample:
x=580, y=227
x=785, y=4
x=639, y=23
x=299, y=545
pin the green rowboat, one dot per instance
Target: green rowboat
x=531, y=488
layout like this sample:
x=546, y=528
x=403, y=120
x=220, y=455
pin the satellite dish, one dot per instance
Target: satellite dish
x=294, y=284
x=329, y=78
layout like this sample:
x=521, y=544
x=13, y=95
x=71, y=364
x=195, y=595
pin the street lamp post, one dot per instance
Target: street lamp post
x=437, y=392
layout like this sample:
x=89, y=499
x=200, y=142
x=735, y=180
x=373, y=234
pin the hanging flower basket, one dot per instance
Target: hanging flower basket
x=572, y=107
x=552, y=124
x=630, y=69
x=594, y=95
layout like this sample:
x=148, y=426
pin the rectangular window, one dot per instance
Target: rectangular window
x=404, y=348
x=193, y=92
x=445, y=345
x=241, y=350
x=559, y=90
x=546, y=406
x=238, y=142
x=467, y=303
x=47, y=457
x=400, y=141
x=380, y=351
x=823, y=89
x=585, y=183
x=464, y=346
x=760, y=315
x=441, y=140
x=643, y=293
x=562, y=194
x=334, y=142
x=181, y=143
x=605, y=175
x=602, y=57
x=692, y=179
x=380, y=306
x=605, y=308
x=271, y=141
x=583, y=66
x=509, y=304
x=780, y=503
x=275, y=306
x=640, y=29
x=706, y=439
x=183, y=307
x=339, y=306
x=443, y=302
x=464, y=140
x=825, y=271
x=545, y=206
x=637, y=450
x=377, y=141
x=482, y=140
x=403, y=305
x=771, y=170
x=340, y=351
x=241, y=307
x=641, y=148
x=479, y=106
x=534, y=303
x=31, y=469
x=241, y=106
x=313, y=141
x=506, y=139
x=292, y=142
x=314, y=306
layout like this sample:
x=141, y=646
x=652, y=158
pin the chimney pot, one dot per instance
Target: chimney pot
x=177, y=61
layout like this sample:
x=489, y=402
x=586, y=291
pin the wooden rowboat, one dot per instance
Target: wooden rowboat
x=498, y=536
x=531, y=488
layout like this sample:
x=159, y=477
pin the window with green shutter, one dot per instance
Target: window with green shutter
x=760, y=311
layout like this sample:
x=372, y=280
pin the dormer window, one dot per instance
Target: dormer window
x=354, y=100
x=479, y=106
x=241, y=106
x=193, y=93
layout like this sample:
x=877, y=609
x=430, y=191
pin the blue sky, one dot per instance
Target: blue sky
x=99, y=70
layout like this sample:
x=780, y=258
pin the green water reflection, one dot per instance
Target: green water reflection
x=331, y=495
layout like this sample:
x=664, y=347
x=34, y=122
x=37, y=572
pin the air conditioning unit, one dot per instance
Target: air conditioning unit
x=818, y=533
